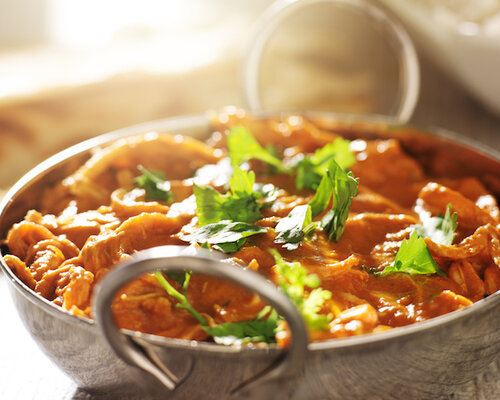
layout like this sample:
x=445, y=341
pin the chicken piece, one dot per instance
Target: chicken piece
x=364, y=233
x=23, y=235
x=471, y=246
x=48, y=255
x=73, y=288
x=136, y=233
x=435, y=199
x=20, y=269
x=77, y=227
x=383, y=167
x=474, y=190
x=144, y=305
x=368, y=200
x=463, y=273
x=129, y=203
x=492, y=278
x=447, y=301
x=176, y=156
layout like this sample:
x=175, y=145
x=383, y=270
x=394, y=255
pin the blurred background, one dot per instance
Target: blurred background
x=72, y=69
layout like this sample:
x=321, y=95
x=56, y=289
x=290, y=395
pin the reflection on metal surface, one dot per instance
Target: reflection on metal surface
x=334, y=55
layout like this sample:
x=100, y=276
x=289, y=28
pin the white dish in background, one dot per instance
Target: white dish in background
x=463, y=37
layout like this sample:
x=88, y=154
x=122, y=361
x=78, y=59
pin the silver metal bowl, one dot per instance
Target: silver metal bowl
x=426, y=360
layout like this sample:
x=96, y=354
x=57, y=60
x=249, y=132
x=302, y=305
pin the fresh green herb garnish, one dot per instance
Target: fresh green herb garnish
x=260, y=329
x=413, y=258
x=256, y=330
x=345, y=187
x=294, y=227
x=225, y=235
x=266, y=193
x=323, y=195
x=293, y=279
x=243, y=147
x=311, y=169
x=241, y=183
x=180, y=297
x=341, y=186
x=155, y=185
x=440, y=229
x=238, y=205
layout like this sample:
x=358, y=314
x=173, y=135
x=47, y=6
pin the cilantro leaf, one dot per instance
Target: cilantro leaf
x=225, y=235
x=322, y=196
x=307, y=177
x=342, y=187
x=293, y=279
x=243, y=147
x=311, y=168
x=312, y=306
x=179, y=277
x=413, y=258
x=239, y=205
x=440, y=229
x=209, y=205
x=256, y=330
x=294, y=227
x=180, y=297
x=338, y=150
x=241, y=183
x=345, y=187
x=155, y=185
x=266, y=193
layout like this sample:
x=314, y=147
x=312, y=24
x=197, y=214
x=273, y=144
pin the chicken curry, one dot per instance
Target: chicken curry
x=355, y=231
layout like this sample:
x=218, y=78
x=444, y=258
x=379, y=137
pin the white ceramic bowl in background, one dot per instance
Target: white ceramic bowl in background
x=465, y=42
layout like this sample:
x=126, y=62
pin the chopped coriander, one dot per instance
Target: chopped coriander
x=225, y=235
x=266, y=193
x=345, y=187
x=341, y=186
x=241, y=183
x=239, y=205
x=180, y=297
x=155, y=185
x=294, y=227
x=413, y=258
x=323, y=195
x=338, y=150
x=179, y=277
x=440, y=229
x=243, y=147
x=259, y=329
x=293, y=279
x=311, y=168
x=306, y=177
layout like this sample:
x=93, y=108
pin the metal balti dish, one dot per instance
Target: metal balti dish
x=424, y=360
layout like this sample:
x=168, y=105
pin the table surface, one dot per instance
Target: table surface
x=25, y=373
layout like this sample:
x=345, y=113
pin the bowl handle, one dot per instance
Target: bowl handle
x=179, y=259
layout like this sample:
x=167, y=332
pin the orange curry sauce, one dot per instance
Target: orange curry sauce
x=96, y=217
